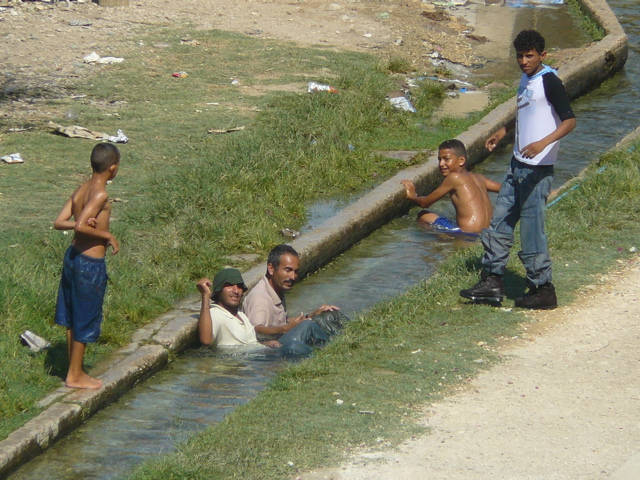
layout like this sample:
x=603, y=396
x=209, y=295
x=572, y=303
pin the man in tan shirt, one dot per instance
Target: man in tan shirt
x=266, y=307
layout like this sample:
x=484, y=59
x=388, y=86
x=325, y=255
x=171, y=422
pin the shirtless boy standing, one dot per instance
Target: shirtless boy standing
x=468, y=192
x=84, y=274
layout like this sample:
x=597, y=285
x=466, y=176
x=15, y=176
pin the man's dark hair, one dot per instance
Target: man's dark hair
x=529, y=40
x=456, y=145
x=276, y=253
x=103, y=156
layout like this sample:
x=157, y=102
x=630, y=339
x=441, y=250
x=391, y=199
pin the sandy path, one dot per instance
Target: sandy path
x=565, y=404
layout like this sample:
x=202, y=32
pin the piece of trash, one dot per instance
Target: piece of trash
x=119, y=138
x=219, y=131
x=76, y=131
x=91, y=58
x=351, y=148
x=319, y=87
x=110, y=60
x=417, y=351
x=402, y=103
x=12, y=158
x=180, y=74
x=368, y=35
x=290, y=464
x=632, y=249
x=366, y=412
x=34, y=342
x=288, y=232
x=19, y=129
x=235, y=82
x=339, y=402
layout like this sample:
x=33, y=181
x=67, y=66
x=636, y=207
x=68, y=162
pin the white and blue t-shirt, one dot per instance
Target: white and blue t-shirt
x=543, y=104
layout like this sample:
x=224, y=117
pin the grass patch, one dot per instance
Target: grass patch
x=586, y=21
x=408, y=352
x=189, y=199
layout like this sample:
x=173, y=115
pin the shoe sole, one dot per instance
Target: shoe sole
x=543, y=307
x=477, y=299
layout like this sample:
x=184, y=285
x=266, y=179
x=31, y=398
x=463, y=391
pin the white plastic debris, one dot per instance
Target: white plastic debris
x=34, y=342
x=319, y=87
x=402, y=103
x=119, y=138
x=110, y=60
x=91, y=58
x=12, y=158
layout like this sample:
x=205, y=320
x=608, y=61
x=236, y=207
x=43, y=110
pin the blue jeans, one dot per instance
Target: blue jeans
x=299, y=340
x=523, y=197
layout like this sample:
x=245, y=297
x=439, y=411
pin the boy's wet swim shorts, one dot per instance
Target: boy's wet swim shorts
x=80, y=295
x=443, y=223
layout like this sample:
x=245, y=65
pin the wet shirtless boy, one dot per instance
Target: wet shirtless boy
x=84, y=275
x=468, y=192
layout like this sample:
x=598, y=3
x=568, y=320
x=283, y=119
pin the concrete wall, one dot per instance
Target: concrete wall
x=175, y=331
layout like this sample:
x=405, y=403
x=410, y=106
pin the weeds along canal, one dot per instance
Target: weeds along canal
x=202, y=386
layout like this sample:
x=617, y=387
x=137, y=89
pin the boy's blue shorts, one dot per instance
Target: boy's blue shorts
x=81, y=294
x=443, y=223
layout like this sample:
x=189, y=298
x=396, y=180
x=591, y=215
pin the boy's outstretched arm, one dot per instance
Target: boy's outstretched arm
x=433, y=197
x=491, y=185
x=493, y=141
x=533, y=149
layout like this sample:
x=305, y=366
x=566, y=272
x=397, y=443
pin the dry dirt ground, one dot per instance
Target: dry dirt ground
x=563, y=405
x=42, y=44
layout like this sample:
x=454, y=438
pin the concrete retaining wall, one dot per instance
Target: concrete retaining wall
x=175, y=331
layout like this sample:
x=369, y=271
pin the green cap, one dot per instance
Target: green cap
x=231, y=276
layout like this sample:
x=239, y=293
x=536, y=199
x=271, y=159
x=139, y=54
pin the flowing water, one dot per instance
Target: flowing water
x=201, y=387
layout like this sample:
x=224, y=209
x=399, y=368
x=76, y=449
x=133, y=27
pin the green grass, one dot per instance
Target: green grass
x=586, y=21
x=189, y=199
x=410, y=351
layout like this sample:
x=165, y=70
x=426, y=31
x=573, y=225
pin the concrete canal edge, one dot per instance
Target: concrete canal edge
x=173, y=332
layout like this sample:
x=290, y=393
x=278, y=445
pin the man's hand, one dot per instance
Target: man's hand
x=493, y=141
x=323, y=308
x=204, y=287
x=293, y=321
x=272, y=344
x=92, y=222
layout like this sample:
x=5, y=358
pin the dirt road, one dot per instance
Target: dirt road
x=564, y=405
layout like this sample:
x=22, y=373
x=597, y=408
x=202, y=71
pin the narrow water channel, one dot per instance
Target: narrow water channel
x=201, y=387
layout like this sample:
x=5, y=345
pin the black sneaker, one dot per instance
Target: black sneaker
x=488, y=289
x=539, y=298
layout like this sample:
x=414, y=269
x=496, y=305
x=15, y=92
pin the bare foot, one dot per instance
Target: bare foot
x=83, y=381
